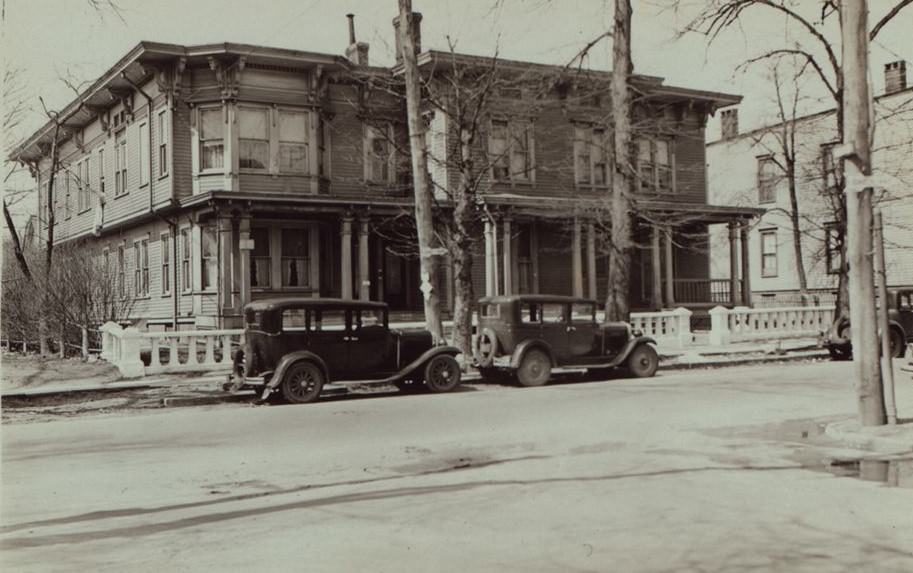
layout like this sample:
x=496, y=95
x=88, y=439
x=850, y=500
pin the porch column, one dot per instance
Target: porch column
x=657, y=290
x=508, y=265
x=577, y=261
x=245, y=245
x=734, y=297
x=225, y=263
x=670, y=279
x=345, y=258
x=491, y=276
x=746, y=265
x=591, y=259
x=364, y=273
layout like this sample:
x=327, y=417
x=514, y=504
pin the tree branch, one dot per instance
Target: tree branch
x=888, y=17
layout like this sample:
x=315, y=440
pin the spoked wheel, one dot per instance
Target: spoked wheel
x=643, y=361
x=442, y=374
x=302, y=383
x=535, y=368
x=896, y=347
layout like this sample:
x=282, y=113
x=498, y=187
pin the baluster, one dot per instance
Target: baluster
x=226, y=349
x=173, y=354
x=154, y=356
x=209, y=357
x=192, y=350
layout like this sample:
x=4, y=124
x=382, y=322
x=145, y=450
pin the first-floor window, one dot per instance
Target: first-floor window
x=165, y=245
x=121, y=271
x=295, y=258
x=833, y=243
x=210, y=261
x=186, y=284
x=260, y=259
x=141, y=267
x=769, y=253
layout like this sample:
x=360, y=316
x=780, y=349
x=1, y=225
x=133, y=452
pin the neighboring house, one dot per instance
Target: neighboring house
x=742, y=171
x=209, y=176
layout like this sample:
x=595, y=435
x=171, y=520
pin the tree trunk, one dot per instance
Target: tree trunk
x=797, y=231
x=857, y=110
x=423, y=214
x=17, y=244
x=617, y=305
x=461, y=245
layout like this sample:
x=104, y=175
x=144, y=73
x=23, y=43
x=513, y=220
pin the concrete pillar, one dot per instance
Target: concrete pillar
x=657, y=290
x=345, y=257
x=577, y=261
x=508, y=251
x=591, y=259
x=364, y=272
x=670, y=272
x=746, y=266
x=245, y=247
x=734, y=297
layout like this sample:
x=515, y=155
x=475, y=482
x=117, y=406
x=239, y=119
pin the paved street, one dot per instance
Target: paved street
x=689, y=471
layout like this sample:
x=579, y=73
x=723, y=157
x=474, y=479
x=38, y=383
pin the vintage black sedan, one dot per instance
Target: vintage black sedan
x=900, y=328
x=529, y=335
x=296, y=345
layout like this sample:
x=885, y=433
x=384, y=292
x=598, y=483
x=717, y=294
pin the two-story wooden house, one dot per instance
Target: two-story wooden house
x=208, y=176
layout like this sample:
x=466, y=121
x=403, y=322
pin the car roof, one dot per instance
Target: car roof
x=541, y=298
x=278, y=303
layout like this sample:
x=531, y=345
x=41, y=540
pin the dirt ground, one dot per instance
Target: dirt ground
x=32, y=371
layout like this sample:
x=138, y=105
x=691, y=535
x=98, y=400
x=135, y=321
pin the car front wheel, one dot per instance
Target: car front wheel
x=302, y=383
x=442, y=374
x=896, y=340
x=535, y=368
x=643, y=361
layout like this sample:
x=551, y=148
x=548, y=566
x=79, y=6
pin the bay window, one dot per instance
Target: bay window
x=212, y=143
x=253, y=138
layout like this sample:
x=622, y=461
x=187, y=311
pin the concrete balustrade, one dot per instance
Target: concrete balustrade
x=169, y=352
x=669, y=328
x=742, y=324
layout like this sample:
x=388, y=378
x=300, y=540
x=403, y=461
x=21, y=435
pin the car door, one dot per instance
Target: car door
x=328, y=338
x=369, y=344
x=582, y=333
x=555, y=329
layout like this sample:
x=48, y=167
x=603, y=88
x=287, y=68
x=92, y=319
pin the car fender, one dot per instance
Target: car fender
x=894, y=325
x=630, y=346
x=528, y=345
x=424, y=358
x=292, y=357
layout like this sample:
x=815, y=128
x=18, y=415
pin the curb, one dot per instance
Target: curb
x=792, y=357
x=851, y=432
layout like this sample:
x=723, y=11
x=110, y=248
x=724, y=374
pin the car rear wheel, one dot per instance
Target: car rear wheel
x=896, y=340
x=643, y=361
x=302, y=383
x=442, y=374
x=535, y=368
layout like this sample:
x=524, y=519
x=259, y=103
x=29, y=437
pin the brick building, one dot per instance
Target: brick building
x=207, y=176
x=742, y=172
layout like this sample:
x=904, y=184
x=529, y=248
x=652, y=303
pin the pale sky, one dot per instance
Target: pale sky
x=48, y=38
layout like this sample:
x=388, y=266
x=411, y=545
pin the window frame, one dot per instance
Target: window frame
x=648, y=171
x=589, y=148
x=766, y=185
x=121, y=270
x=209, y=260
x=306, y=260
x=269, y=134
x=832, y=251
x=145, y=165
x=164, y=140
x=141, y=267
x=120, y=163
x=306, y=144
x=202, y=140
x=101, y=170
x=186, y=251
x=371, y=134
x=268, y=257
x=513, y=129
x=165, y=262
x=766, y=272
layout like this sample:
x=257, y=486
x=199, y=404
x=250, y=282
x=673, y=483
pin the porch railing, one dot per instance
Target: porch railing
x=137, y=353
x=702, y=290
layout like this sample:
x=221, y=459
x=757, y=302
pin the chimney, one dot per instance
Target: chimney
x=729, y=123
x=895, y=76
x=416, y=35
x=357, y=52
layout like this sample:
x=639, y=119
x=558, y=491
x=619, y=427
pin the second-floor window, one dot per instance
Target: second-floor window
x=120, y=163
x=379, y=167
x=82, y=186
x=654, y=165
x=589, y=155
x=767, y=180
x=293, y=142
x=253, y=138
x=101, y=171
x=141, y=268
x=510, y=148
x=212, y=143
x=769, y=253
x=67, y=181
x=144, y=168
x=163, y=142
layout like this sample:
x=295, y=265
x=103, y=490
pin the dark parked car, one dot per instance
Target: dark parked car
x=900, y=327
x=529, y=335
x=297, y=345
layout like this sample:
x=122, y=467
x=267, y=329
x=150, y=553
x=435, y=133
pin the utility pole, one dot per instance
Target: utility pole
x=424, y=222
x=857, y=152
x=887, y=365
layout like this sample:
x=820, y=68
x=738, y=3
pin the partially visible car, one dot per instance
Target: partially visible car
x=528, y=336
x=296, y=345
x=838, y=339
